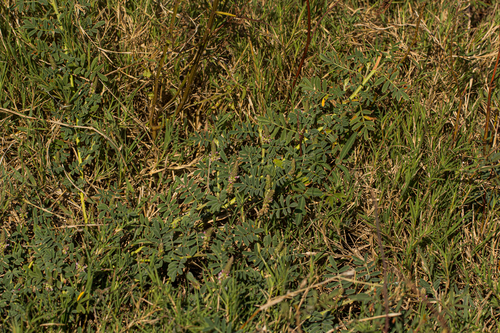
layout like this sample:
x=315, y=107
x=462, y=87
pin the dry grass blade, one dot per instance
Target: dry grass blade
x=153, y=118
x=201, y=49
x=277, y=300
x=488, y=105
x=71, y=126
x=384, y=262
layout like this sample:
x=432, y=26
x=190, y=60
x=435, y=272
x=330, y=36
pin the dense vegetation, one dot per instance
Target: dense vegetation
x=252, y=166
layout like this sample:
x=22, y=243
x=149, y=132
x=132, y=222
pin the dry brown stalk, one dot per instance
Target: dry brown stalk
x=488, y=106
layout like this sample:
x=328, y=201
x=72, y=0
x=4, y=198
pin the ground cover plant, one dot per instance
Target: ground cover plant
x=243, y=166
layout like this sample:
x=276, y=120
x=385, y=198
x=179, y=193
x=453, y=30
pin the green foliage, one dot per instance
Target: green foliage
x=256, y=212
x=70, y=76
